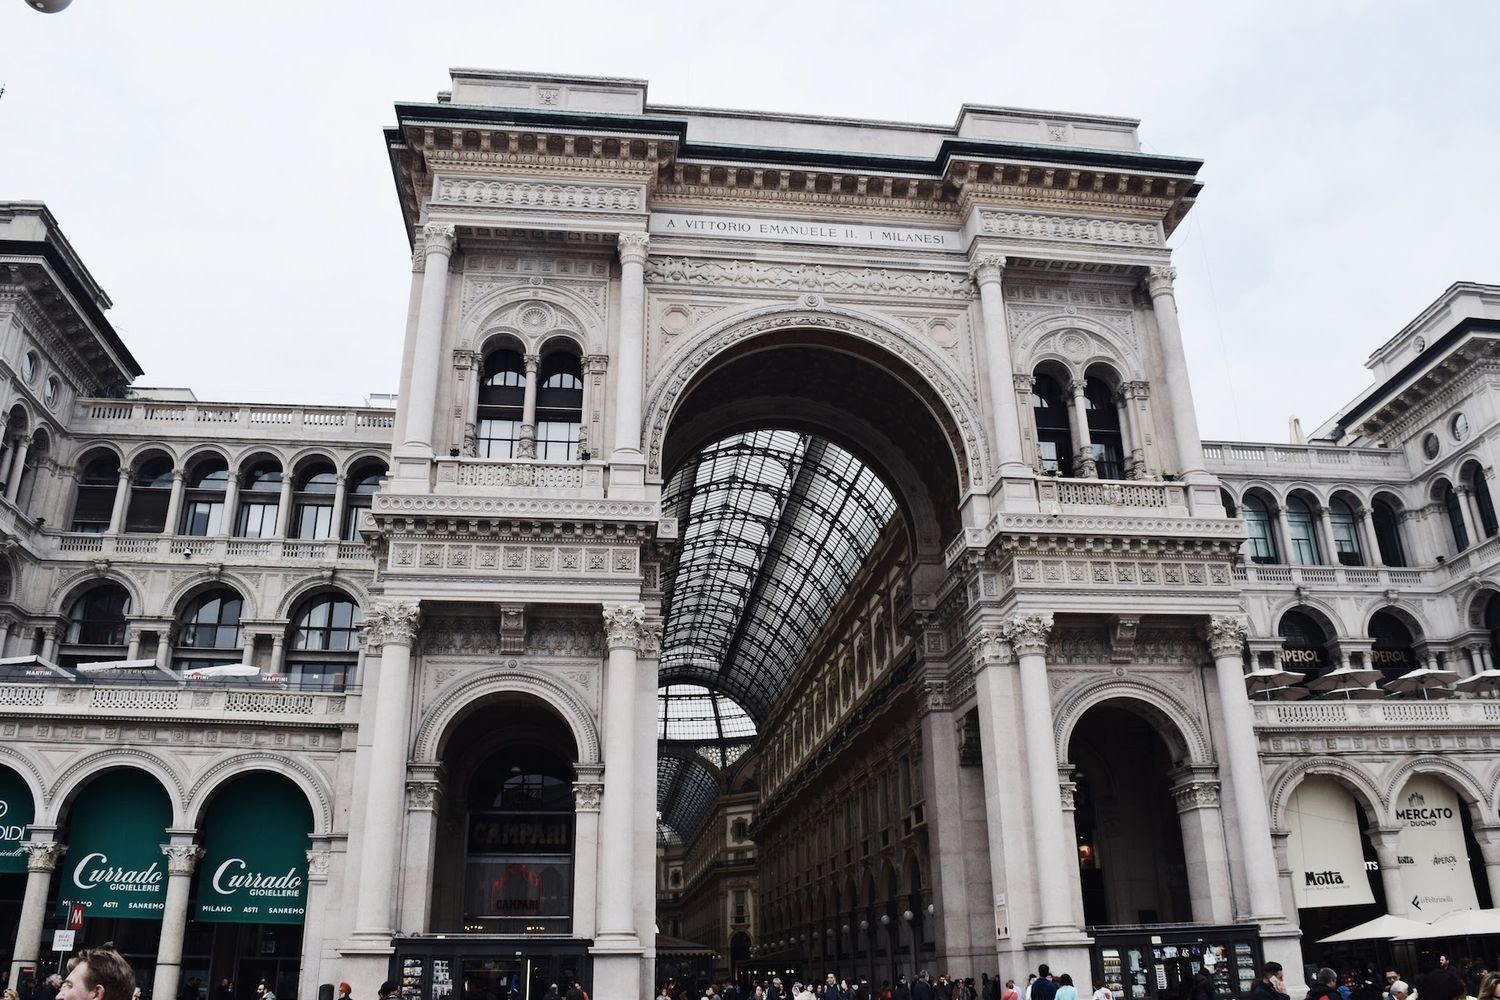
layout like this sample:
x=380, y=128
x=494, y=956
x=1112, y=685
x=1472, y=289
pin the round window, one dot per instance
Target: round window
x=1430, y=446
x=49, y=394
x=28, y=366
x=1459, y=426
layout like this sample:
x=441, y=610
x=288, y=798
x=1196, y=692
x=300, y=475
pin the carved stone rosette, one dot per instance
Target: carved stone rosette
x=1028, y=633
x=181, y=858
x=625, y=626
x=392, y=622
x=987, y=267
x=632, y=248
x=43, y=856
x=1225, y=635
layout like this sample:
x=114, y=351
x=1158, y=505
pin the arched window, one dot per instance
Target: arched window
x=96, y=625
x=260, y=501
x=37, y=459
x=559, y=407
x=1054, y=435
x=312, y=509
x=208, y=630
x=1302, y=532
x=1262, y=539
x=1393, y=651
x=502, y=392
x=150, y=495
x=204, y=512
x=1388, y=533
x=1345, y=534
x=364, y=482
x=1455, y=518
x=324, y=642
x=94, y=501
x=1479, y=488
x=1304, y=644
x=1104, y=429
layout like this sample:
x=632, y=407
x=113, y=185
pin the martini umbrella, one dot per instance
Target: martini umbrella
x=1422, y=679
x=1353, y=682
x=1485, y=680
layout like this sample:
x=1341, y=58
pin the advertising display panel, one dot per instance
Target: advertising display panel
x=17, y=811
x=1327, y=857
x=114, y=865
x=254, y=864
x=1430, y=847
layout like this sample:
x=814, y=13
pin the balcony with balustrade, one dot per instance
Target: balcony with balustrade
x=268, y=422
x=226, y=551
x=1304, y=461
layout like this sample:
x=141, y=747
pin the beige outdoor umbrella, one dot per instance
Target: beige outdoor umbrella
x=1352, y=682
x=1424, y=679
x=1384, y=926
x=1485, y=680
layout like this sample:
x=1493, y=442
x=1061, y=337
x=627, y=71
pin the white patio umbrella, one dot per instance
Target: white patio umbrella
x=1424, y=679
x=225, y=670
x=1485, y=680
x=109, y=666
x=1462, y=923
x=1353, y=682
x=1383, y=926
x=1289, y=693
x=1270, y=678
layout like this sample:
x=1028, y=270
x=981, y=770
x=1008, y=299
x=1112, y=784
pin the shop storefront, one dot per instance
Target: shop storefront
x=475, y=967
x=1159, y=963
x=16, y=811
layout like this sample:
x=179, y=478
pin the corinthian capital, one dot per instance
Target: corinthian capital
x=438, y=237
x=43, y=856
x=181, y=858
x=1028, y=633
x=989, y=646
x=986, y=267
x=1226, y=634
x=392, y=621
x=625, y=626
x=1160, y=280
x=632, y=248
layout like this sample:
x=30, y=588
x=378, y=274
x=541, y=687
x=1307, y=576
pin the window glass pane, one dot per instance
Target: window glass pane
x=314, y=521
x=351, y=521
x=257, y=520
x=1304, y=539
x=203, y=517
x=499, y=438
x=557, y=441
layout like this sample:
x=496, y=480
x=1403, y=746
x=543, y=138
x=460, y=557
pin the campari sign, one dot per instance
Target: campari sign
x=254, y=864
x=16, y=813
x=114, y=866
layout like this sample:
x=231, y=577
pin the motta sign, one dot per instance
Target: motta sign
x=1324, y=846
x=804, y=231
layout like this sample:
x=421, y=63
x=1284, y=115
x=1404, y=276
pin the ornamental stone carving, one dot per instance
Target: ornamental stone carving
x=422, y=796
x=632, y=248
x=1028, y=633
x=625, y=626
x=1226, y=634
x=1196, y=795
x=1161, y=280
x=392, y=622
x=317, y=865
x=181, y=858
x=43, y=856
x=587, y=795
x=438, y=238
x=988, y=646
x=987, y=267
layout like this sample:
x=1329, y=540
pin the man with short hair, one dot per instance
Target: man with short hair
x=921, y=988
x=1044, y=988
x=98, y=974
x=263, y=992
x=1325, y=986
x=1272, y=983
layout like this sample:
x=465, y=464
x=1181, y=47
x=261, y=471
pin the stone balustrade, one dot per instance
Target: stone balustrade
x=62, y=701
x=269, y=421
x=232, y=550
x=1352, y=577
x=1404, y=713
x=1307, y=459
x=1125, y=496
x=579, y=479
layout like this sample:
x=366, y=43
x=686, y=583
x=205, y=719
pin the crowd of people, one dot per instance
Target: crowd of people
x=1043, y=985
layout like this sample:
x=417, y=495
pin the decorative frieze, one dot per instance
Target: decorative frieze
x=580, y=637
x=545, y=196
x=541, y=560
x=1071, y=229
x=800, y=278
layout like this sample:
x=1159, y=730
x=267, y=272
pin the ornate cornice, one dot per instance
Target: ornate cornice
x=1226, y=634
x=392, y=622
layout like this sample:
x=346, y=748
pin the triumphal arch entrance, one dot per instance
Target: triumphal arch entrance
x=797, y=548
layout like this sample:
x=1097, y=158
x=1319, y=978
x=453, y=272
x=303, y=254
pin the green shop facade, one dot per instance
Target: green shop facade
x=225, y=901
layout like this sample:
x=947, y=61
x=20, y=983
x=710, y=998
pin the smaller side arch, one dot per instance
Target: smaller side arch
x=1185, y=733
x=1466, y=784
x=313, y=785
x=36, y=783
x=1359, y=781
x=72, y=587
x=77, y=774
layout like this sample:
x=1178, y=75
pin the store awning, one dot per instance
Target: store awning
x=114, y=865
x=667, y=945
x=17, y=811
x=1458, y=923
x=1385, y=926
x=254, y=865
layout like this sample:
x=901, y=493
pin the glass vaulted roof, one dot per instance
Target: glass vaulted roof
x=685, y=788
x=773, y=525
x=690, y=712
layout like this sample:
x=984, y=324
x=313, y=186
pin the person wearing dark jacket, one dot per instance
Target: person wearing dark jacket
x=1044, y=988
x=920, y=988
x=1325, y=986
x=1270, y=985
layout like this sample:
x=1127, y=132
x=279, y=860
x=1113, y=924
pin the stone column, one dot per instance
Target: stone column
x=1197, y=801
x=122, y=498
x=424, y=796
x=6, y=625
x=164, y=645
x=1284, y=528
x=1130, y=435
x=528, y=407
x=421, y=401
x=17, y=468
x=1324, y=528
x=1179, y=389
x=247, y=647
x=1226, y=641
x=1365, y=518
x=1052, y=843
x=1083, y=445
x=284, y=506
x=1384, y=840
x=231, y=505
x=1468, y=515
x=278, y=653
x=182, y=858
x=41, y=859
x=392, y=626
x=987, y=271
x=466, y=395
x=1487, y=662
x=1489, y=848
x=340, y=499
x=588, y=791
x=590, y=436
x=318, y=904
x=174, y=505
x=624, y=625
x=629, y=364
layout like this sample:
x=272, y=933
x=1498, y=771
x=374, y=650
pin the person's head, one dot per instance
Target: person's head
x=345, y=989
x=1010, y=984
x=1327, y=976
x=261, y=989
x=1065, y=980
x=98, y=974
x=12, y=995
x=1270, y=971
x=1399, y=989
x=832, y=981
x=1043, y=971
x=1489, y=986
x=1443, y=963
x=387, y=986
x=54, y=980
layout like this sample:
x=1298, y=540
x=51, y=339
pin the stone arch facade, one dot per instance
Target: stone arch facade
x=1360, y=782
x=1321, y=611
x=73, y=586
x=1178, y=723
x=314, y=785
x=450, y=703
x=207, y=578
x=557, y=313
x=77, y=774
x=1076, y=342
x=298, y=591
x=1451, y=773
x=36, y=783
x=973, y=451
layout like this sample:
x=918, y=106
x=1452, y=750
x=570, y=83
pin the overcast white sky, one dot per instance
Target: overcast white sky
x=219, y=165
